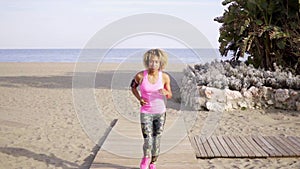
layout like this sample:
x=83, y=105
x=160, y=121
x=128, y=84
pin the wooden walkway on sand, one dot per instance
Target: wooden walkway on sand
x=246, y=146
x=123, y=147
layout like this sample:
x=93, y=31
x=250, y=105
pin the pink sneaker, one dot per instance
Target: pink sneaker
x=152, y=166
x=144, y=163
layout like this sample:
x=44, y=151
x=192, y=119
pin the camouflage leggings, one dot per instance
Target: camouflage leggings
x=152, y=127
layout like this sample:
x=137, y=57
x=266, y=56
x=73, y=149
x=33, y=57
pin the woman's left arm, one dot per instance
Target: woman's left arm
x=167, y=86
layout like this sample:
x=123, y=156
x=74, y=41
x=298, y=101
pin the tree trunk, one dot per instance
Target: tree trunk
x=267, y=53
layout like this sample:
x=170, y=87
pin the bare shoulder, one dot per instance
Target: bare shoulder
x=139, y=76
x=166, y=77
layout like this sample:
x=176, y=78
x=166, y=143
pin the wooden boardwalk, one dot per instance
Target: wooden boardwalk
x=123, y=147
x=246, y=146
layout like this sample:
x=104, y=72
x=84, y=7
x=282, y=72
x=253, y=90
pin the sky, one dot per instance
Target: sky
x=72, y=23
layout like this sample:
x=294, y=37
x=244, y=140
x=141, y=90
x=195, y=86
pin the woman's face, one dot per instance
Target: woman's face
x=154, y=63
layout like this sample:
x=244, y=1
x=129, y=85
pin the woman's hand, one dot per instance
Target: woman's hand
x=163, y=92
x=142, y=102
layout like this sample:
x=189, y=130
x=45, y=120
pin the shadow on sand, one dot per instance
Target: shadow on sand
x=58, y=162
x=48, y=159
x=52, y=160
x=104, y=80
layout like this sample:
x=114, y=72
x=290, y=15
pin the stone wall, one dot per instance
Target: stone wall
x=219, y=86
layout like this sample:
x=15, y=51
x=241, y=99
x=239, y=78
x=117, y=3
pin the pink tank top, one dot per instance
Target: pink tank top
x=150, y=92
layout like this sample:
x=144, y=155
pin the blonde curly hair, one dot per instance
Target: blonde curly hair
x=162, y=57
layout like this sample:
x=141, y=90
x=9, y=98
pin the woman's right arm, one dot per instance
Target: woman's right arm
x=134, y=84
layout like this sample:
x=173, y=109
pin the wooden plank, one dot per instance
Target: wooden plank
x=284, y=145
x=284, y=149
x=206, y=146
x=238, y=146
x=294, y=140
x=297, y=139
x=269, y=149
x=180, y=155
x=276, y=146
x=234, y=149
x=219, y=146
x=296, y=148
x=213, y=147
x=193, y=141
x=201, y=150
x=225, y=147
x=245, y=146
x=260, y=152
x=266, y=140
x=255, y=152
x=293, y=145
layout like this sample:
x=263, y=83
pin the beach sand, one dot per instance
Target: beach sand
x=39, y=126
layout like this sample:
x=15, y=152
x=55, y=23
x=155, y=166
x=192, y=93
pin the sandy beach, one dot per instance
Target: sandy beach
x=39, y=126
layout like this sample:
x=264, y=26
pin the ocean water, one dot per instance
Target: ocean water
x=104, y=55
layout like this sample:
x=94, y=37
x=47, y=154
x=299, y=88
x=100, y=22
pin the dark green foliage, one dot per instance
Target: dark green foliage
x=267, y=31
